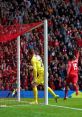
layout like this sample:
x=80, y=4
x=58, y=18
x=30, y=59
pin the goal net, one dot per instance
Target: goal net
x=15, y=76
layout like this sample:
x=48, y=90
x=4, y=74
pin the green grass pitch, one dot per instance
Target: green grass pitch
x=72, y=107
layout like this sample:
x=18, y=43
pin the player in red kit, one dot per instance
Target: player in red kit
x=72, y=72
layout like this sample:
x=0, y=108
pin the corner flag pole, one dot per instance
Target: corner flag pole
x=46, y=61
x=18, y=68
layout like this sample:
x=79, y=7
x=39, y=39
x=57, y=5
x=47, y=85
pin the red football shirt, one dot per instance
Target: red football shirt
x=72, y=69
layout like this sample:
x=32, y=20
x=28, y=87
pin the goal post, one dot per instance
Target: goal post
x=18, y=68
x=46, y=61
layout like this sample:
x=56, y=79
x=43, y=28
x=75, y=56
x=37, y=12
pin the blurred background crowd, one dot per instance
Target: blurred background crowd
x=65, y=25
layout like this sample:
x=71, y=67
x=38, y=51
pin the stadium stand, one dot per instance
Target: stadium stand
x=65, y=26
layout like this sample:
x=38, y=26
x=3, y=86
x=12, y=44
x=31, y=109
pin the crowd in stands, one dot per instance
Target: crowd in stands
x=65, y=25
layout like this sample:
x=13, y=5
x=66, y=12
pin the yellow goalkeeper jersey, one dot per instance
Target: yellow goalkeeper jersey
x=33, y=62
x=38, y=67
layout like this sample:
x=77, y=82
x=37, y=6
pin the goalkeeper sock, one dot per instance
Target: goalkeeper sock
x=51, y=91
x=35, y=94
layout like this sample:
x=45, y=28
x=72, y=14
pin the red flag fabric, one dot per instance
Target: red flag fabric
x=12, y=32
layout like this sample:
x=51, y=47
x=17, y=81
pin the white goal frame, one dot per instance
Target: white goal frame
x=45, y=64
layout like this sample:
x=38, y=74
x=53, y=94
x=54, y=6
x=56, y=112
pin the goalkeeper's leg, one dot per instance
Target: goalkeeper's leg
x=35, y=94
x=35, y=91
x=41, y=81
x=52, y=92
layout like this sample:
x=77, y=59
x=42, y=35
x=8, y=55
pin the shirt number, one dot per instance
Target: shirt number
x=75, y=66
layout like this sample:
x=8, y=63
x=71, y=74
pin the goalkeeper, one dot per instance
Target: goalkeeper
x=38, y=72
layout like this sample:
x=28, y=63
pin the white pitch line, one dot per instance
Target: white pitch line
x=1, y=100
x=9, y=106
x=66, y=107
x=57, y=106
